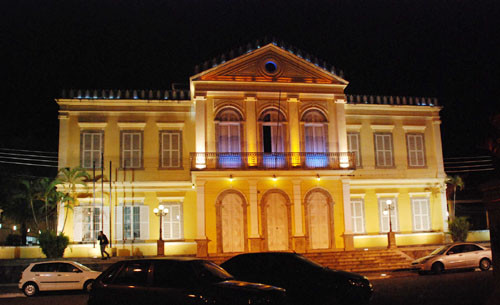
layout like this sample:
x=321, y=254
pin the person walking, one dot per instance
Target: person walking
x=103, y=242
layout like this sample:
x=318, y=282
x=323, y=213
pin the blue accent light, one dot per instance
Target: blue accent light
x=230, y=160
x=271, y=67
x=274, y=160
x=316, y=160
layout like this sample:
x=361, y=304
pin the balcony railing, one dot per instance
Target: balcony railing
x=263, y=161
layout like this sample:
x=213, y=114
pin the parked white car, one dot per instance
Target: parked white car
x=455, y=256
x=56, y=275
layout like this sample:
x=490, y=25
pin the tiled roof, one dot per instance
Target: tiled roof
x=260, y=43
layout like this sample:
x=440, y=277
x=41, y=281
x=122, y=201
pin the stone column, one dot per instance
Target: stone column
x=255, y=240
x=333, y=144
x=348, y=235
x=294, y=125
x=444, y=208
x=251, y=130
x=299, y=240
x=341, y=124
x=63, y=138
x=210, y=123
x=200, y=131
x=201, y=238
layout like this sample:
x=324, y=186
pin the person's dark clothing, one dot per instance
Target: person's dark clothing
x=103, y=242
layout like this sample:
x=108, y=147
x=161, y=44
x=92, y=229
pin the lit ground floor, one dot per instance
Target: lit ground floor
x=222, y=214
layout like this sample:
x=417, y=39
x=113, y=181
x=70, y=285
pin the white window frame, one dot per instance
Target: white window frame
x=413, y=152
x=384, y=156
x=359, y=202
x=228, y=125
x=420, y=216
x=170, y=224
x=168, y=134
x=354, y=137
x=143, y=221
x=127, y=154
x=384, y=219
x=80, y=223
x=318, y=141
x=93, y=150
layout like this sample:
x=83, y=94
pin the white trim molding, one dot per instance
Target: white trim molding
x=171, y=199
x=131, y=125
x=381, y=128
x=173, y=125
x=353, y=127
x=420, y=194
x=414, y=128
x=92, y=125
x=354, y=195
x=383, y=195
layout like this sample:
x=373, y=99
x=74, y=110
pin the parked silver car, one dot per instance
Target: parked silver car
x=455, y=256
x=56, y=275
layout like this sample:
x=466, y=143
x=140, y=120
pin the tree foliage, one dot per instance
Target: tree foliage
x=459, y=229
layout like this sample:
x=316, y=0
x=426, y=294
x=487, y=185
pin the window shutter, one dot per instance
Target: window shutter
x=176, y=228
x=77, y=224
x=105, y=220
x=119, y=223
x=175, y=156
x=420, y=150
x=144, y=222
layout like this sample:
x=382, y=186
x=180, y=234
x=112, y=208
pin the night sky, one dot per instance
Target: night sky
x=444, y=49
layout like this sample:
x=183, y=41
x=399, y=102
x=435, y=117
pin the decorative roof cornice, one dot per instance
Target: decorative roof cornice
x=392, y=100
x=126, y=94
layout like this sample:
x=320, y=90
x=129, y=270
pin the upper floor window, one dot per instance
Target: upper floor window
x=131, y=149
x=171, y=149
x=315, y=131
x=416, y=149
x=353, y=145
x=229, y=131
x=92, y=147
x=273, y=131
x=384, y=156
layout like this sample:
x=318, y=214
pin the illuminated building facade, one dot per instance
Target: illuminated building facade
x=264, y=152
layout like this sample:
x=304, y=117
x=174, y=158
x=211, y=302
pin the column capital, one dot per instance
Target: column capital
x=200, y=98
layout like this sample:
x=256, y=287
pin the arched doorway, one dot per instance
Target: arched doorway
x=276, y=220
x=231, y=222
x=319, y=219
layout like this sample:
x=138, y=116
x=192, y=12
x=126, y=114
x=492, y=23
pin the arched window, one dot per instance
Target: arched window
x=229, y=125
x=229, y=138
x=273, y=133
x=315, y=136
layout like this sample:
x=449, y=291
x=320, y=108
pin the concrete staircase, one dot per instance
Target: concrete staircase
x=361, y=261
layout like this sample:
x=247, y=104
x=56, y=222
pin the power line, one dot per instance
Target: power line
x=29, y=151
x=28, y=164
x=28, y=159
x=27, y=155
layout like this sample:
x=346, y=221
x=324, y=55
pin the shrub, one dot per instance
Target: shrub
x=459, y=229
x=53, y=245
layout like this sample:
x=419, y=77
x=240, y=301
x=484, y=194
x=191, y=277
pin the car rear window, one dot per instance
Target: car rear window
x=46, y=267
x=134, y=273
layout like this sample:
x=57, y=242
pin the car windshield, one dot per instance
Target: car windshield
x=83, y=267
x=214, y=273
x=439, y=250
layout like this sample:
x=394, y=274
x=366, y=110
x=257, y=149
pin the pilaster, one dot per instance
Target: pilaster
x=200, y=131
x=348, y=235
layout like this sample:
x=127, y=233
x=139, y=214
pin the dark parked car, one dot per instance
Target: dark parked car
x=177, y=282
x=305, y=281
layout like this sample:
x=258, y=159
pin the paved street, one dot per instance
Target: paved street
x=459, y=288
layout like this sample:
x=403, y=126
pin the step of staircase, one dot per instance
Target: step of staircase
x=355, y=261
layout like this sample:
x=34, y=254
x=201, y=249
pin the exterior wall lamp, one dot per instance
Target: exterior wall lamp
x=160, y=244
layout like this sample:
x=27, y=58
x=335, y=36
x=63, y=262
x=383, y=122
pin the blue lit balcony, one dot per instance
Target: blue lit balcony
x=266, y=161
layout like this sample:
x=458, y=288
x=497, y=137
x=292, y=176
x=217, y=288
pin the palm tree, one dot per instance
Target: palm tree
x=31, y=195
x=70, y=178
x=48, y=194
x=457, y=183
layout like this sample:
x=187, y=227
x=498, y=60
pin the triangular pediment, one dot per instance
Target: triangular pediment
x=269, y=63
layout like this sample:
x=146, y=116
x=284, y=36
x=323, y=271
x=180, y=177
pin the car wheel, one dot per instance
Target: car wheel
x=437, y=268
x=485, y=264
x=88, y=285
x=30, y=289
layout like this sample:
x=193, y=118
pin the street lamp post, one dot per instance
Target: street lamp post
x=160, y=244
x=391, y=236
